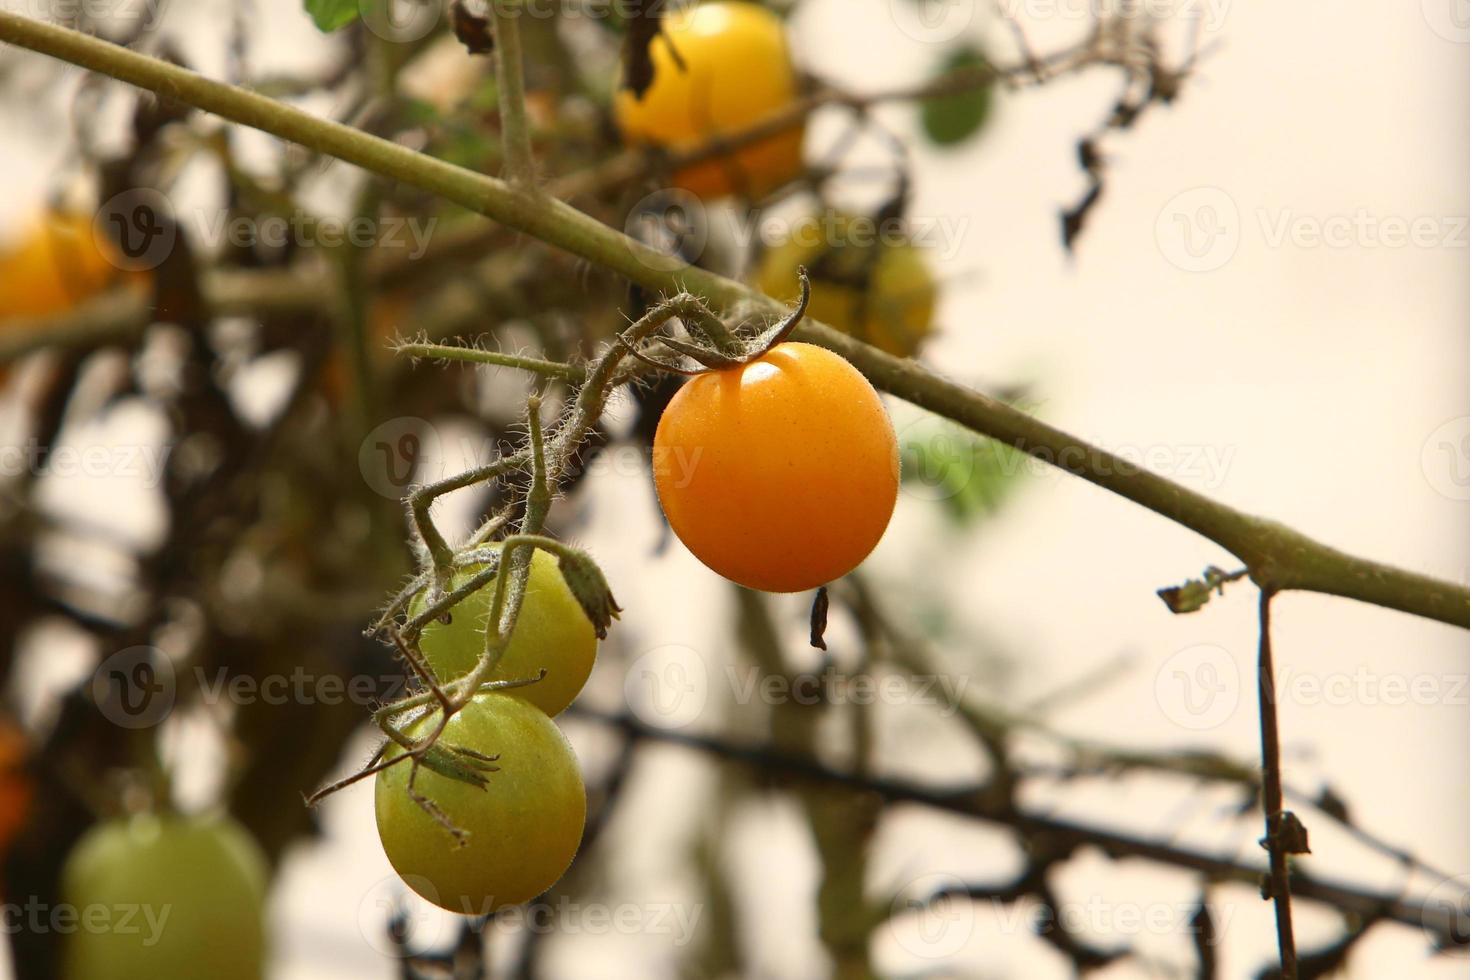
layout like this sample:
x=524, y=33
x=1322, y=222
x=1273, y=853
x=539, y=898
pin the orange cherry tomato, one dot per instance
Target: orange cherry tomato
x=737, y=71
x=780, y=474
x=57, y=263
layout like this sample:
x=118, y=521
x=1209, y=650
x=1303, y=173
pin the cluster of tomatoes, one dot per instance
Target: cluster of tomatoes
x=511, y=844
x=780, y=473
x=722, y=70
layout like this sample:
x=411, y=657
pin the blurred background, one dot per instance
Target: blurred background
x=1226, y=241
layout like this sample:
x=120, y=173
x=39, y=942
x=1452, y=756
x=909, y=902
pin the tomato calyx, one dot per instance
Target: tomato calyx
x=715, y=359
x=459, y=762
x=589, y=587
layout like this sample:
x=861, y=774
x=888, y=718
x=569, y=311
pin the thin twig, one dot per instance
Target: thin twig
x=1271, y=797
x=1062, y=834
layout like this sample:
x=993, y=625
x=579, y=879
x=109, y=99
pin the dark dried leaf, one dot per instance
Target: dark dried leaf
x=1074, y=219
x=644, y=22
x=472, y=29
x=819, y=619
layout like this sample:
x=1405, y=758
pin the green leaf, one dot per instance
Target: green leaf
x=968, y=475
x=953, y=119
x=331, y=15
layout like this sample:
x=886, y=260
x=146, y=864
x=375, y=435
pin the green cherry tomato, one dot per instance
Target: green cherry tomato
x=165, y=896
x=552, y=633
x=523, y=825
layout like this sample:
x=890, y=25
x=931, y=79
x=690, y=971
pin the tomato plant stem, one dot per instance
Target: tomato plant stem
x=510, y=83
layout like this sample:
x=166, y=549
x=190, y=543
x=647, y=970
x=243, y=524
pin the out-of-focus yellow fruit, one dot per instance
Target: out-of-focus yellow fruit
x=54, y=265
x=167, y=896
x=737, y=72
x=868, y=280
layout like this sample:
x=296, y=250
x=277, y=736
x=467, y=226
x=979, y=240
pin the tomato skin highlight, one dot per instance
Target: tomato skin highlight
x=551, y=633
x=525, y=825
x=739, y=72
x=197, y=887
x=781, y=474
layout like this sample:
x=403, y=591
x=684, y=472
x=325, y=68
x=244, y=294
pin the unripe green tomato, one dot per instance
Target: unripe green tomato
x=166, y=896
x=524, y=824
x=552, y=633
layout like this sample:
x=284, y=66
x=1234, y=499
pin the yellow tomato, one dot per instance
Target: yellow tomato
x=552, y=634
x=737, y=71
x=780, y=474
x=866, y=282
x=57, y=263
